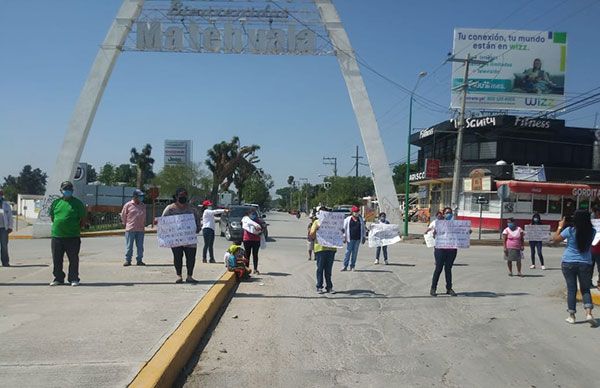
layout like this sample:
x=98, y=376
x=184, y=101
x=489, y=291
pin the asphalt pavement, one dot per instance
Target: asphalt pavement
x=382, y=329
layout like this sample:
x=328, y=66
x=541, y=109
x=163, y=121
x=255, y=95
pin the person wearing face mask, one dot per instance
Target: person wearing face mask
x=381, y=220
x=536, y=245
x=208, y=228
x=182, y=206
x=6, y=225
x=514, y=244
x=133, y=217
x=444, y=260
x=67, y=214
x=252, y=226
x=354, y=235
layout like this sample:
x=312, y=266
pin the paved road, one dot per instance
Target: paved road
x=382, y=329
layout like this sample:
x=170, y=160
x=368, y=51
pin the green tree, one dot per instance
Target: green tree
x=344, y=191
x=91, y=174
x=107, y=174
x=223, y=160
x=244, y=171
x=29, y=181
x=126, y=173
x=399, y=176
x=256, y=190
x=195, y=180
x=144, y=163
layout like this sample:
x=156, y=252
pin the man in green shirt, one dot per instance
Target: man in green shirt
x=67, y=214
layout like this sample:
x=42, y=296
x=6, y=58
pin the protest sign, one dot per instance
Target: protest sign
x=537, y=232
x=452, y=234
x=596, y=224
x=330, y=232
x=383, y=234
x=429, y=240
x=176, y=231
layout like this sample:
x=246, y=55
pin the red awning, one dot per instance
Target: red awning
x=567, y=189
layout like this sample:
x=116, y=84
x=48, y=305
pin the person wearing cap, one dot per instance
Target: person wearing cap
x=6, y=225
x=67, y=214
x=182, y=206
x=208, y=228
x=354, y=235
x=133, y=216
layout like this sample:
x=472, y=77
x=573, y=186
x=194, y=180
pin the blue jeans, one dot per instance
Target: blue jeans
x=130, y=237
x=324, y=267
x=351, y=250
x=444, y=259
x=209, y=240
x=378, y=252
x=572, y=272
x=536, y=245
x=4, y=245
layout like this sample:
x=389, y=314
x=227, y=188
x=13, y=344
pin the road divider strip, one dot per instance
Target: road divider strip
x=169, y=360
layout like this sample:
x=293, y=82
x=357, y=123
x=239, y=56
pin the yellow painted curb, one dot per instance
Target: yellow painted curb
x=595, y=296
x=166, y=364
x=20, y=237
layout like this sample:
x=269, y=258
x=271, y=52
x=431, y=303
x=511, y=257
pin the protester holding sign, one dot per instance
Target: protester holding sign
x=444, y=258
x=535, y=244
x=381, y=220
x=325, y=246
x=428, y=236
x=576, y=262
x=514, y=244
x=354, y=235
x=181, y=206
x=253, y=227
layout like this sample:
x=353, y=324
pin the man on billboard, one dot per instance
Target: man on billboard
x=537, y=80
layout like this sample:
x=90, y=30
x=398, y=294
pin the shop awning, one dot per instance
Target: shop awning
x=567, y=189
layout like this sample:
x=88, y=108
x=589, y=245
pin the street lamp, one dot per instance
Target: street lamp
x=305, y=180
x=406, y=181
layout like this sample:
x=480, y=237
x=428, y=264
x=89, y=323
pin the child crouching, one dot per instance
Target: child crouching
x=236, y=262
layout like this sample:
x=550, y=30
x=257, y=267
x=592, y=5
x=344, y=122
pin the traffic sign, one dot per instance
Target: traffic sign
x=482, y=200
x=504, y=192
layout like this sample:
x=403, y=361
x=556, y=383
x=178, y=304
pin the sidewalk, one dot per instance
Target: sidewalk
x=99, y=334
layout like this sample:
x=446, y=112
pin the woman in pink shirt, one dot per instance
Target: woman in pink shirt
x=514, y=244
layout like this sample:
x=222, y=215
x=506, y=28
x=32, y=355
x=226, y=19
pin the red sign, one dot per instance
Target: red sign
x=432, y=168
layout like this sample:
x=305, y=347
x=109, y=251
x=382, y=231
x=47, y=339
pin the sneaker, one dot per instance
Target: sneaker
x=126, y=264
x=344, y=269
x=140, y=263
x=376, y=261
x=450, y=292
x=75, y=284
x=179, y=281
x=56, y=283
x=320, y=291
x=331, y=291
x=212, y=261
x=351, y=268
x=432, y=292
x=204, y=260
x=543, y=267
x=590, y=319
x=191, y=280
x=571, y=319
x=532, y=266
x=385, y=262
x=257, y=272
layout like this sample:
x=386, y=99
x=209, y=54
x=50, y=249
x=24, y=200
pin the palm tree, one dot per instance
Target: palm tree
x=246, y=169
x=223, y=160
x=143, y=163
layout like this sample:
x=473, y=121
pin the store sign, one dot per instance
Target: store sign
x=591, y=192
x=527, y=122
x=529, y=173
x=432, y=168
x=481, y=122
x=425, y=133
x=417, y=176
x=178, y=152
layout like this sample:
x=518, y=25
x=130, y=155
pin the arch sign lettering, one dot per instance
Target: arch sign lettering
x=260, y=27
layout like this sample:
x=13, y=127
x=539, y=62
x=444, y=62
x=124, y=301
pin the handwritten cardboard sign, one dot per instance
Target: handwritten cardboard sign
x=383, y=234
x=537, y=232
x=330, y=232
x=176, y=231
x=596, y=224
x=452, y=234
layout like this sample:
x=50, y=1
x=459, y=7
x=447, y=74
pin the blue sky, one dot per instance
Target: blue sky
x=296, y=108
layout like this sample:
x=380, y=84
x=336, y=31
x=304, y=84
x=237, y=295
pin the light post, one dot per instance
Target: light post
x=406, y=180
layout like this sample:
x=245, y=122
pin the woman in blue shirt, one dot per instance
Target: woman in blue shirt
x=577, y=262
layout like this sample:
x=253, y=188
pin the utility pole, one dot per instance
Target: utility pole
x=596, y=120
x=328, y=161
x=357, y=158
x=461, y=124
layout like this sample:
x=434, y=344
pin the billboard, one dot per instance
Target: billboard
x=178, y=152
x=526, y=69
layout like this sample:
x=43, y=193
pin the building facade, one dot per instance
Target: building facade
x=549, y=168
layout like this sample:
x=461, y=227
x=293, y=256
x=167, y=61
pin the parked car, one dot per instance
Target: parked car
x=230, y=224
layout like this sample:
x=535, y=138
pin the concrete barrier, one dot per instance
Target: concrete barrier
x=166, y=364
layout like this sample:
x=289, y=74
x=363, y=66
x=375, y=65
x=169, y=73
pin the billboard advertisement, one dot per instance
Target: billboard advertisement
x=526, y=69
x=178, y=152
